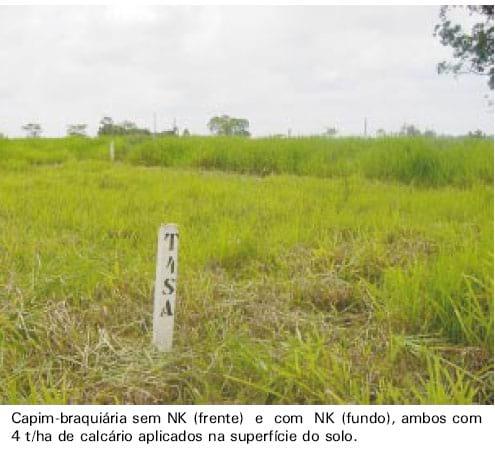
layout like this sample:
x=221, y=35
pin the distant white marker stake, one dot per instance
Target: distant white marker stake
x=112, y=150
x=165, y=287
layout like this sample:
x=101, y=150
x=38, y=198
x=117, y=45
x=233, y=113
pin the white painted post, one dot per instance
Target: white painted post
x=112, y=150
x=165, y=287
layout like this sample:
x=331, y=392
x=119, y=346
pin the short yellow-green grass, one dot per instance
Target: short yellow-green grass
x=292, y=289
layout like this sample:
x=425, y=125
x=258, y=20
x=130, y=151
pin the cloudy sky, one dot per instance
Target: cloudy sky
x=302, y=68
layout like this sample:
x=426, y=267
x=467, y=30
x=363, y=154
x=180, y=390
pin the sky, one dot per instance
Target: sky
x=298, y=67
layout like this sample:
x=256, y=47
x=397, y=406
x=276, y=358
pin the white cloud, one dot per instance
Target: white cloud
x=281, y=67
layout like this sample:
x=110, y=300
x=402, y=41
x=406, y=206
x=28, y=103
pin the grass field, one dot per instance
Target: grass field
x=311, y=270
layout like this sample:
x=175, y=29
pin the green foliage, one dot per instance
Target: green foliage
x=109, y=128
x=473, y=51
x=22, y=153
x=228, y=126
x=420, y=161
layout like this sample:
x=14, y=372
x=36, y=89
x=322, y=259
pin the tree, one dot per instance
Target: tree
x=186, y=132
x=174, y=131
x=229, y=126
x=108, y=127
x=381, y=132
x=473, y=50
x=476, y=134
x=409, y=130
x=128, y=125
x=78, y=129
x=32, y=130
x=330, y=131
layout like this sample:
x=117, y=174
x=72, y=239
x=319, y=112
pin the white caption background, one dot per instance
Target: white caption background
x=281, y=421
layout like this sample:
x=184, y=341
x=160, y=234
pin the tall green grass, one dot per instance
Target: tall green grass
x=417, y=161
x=431, y=162
x=24, y=153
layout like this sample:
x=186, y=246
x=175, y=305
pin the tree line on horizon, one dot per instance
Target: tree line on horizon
x=223, y=125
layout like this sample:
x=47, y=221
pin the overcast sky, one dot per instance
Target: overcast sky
x=302, y=68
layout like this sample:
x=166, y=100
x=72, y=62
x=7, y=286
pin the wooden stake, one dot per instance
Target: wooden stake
x=165, y=287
